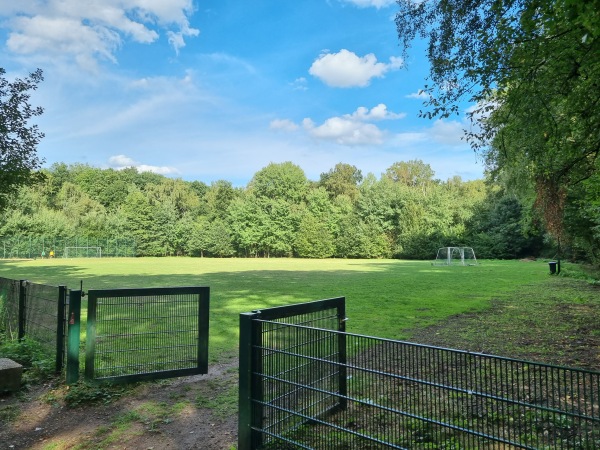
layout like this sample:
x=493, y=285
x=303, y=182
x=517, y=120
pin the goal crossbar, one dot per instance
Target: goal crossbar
x=463, y=256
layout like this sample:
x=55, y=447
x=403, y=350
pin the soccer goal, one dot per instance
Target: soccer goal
x=83, y=252
x=459, y=256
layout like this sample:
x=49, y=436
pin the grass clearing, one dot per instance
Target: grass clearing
x=384, y=297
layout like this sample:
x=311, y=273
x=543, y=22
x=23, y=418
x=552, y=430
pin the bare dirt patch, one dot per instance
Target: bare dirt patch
x=186, y=413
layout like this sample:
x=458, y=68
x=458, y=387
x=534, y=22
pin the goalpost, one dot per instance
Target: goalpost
x=462, y=256
x=83, y=252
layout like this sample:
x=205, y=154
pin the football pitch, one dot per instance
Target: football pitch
x=384, y=298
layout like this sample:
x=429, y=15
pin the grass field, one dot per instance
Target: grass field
x=508, y=308
x=384, y=298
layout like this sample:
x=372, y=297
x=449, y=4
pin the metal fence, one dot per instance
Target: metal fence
x=285, y=379
x=9, y=308
x=35, y=311
x=140, y=334
x=403, y=395
x=33, y=246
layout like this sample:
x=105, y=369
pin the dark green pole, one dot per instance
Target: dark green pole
x=74, y=328
x=247, y=439
x=22, y=308
x=60, y=328
x=203, y=322
x=342, y=371
x=90, y=335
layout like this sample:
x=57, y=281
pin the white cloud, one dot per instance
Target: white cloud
x=419, y=95
x=371, y=3
x=299, y=84
x=94, y=29
x=233, y=61
x=448, y=132
x=345, y=131
x=350, y=129
x=346, y=69
x=379, y=112
x=283, y=125
x=120, y=162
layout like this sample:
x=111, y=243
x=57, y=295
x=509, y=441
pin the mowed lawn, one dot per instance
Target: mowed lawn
x=384, y=297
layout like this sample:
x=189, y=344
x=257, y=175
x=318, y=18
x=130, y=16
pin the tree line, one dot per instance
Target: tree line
x=404, y=213
x=530, y=71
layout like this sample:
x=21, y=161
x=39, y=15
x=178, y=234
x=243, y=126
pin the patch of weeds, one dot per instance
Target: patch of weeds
x=38, y=363
x=84, y=393
x=107, y=435
x=224, y=403
x=52, y=397
x=176, y=395
x=8, y=413
x=154, y=414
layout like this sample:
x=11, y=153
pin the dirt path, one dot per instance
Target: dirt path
x=195, y=412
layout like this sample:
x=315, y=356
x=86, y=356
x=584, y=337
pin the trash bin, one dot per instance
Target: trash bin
x=552, y=265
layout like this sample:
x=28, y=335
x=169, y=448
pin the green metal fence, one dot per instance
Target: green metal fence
x=9, y=308
x=403, y=395
x=35, y=311
x=140, y=334
x=33, y=246
x=287, y=378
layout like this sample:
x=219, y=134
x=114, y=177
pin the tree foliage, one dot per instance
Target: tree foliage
x=532, y=69
x=373, y=218
x=18, y=138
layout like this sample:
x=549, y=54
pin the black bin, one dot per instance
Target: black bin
x=552, y=265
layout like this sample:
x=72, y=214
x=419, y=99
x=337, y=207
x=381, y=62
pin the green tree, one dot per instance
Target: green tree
x=244, y=219
x=218, y=197
x=533, y=71
x=313, y=238
x=413, y=173
x=285, y=181
x=499, y=230
x=18, y=139
x=343, y=179
x=139, y=216
x=107, y=186
x=219, y=240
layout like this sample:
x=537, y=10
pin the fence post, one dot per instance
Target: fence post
x=90, y=336
x=203, y=322
x=74, y=328
x=22, y=308
x=248, y=417
x=60, y=328
x=343, y=378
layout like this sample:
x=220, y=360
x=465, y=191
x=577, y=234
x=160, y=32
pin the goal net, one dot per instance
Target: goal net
x=83, y=252
x=458, y=256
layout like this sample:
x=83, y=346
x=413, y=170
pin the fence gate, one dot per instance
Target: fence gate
x=152, y=333
x=290, y=371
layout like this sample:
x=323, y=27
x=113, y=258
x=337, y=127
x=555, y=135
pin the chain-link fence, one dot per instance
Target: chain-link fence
x=33, y=247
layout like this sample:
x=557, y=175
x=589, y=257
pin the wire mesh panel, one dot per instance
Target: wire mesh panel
x=135, y=334
x=44, y=318
x=35, y=311
x=298, y=373
x=9, y=308
x=409, y=396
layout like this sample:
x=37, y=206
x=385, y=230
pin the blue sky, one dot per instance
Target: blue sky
x=218, y=89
